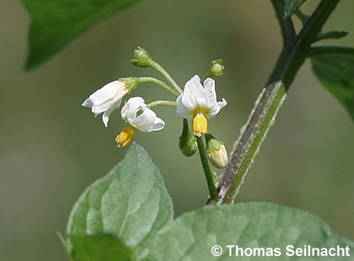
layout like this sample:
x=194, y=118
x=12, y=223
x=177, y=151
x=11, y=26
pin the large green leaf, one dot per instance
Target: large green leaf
x=131, y=203
x=291, y=6
x=248, y=225
x=336, y=73
x=99, y=248
x=56, y=22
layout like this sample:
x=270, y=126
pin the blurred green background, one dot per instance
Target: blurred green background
x=52, y=149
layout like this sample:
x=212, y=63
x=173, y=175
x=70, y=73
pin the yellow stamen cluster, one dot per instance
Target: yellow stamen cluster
x=199, y=124
x=125, y=137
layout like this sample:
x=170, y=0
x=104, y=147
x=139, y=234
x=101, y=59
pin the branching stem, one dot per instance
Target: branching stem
x=293, y=55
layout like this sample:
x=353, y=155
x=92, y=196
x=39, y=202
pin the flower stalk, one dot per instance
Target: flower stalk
x=163, y=103
x=158, y=82
x=209, y=175
x=154, y=65
x=187, y=141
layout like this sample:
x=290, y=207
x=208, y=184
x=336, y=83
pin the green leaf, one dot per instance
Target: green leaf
x=336, y=73
x=291, y=6
x=131, y=202
x=331, y=35
x=99, y=248
x=56, y=22
x=248, y=225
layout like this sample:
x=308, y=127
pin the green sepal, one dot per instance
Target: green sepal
x=187, y=141
x=212, y=143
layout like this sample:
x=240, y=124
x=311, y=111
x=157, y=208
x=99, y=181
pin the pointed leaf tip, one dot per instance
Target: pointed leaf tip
x=56, y=23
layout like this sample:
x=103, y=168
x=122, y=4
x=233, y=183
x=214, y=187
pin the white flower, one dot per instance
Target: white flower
x=136, y=113
x=138, y=116
x=106, y=99
x=198, y=102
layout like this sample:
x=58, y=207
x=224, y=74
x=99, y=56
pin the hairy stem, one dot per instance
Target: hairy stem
x=207, y=170
x=293, y=55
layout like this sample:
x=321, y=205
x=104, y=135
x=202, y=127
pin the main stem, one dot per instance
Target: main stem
x=293, y=55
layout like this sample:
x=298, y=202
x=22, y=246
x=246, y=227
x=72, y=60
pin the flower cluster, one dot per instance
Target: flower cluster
x=197, y=102
x=135, y=111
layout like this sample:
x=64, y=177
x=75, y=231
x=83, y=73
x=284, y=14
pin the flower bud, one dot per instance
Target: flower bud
x=141, y=58
x=217, y=68
x=187, y=141
x=107, y=99
x=217, y=153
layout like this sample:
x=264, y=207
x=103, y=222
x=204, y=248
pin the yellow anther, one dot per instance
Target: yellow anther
x=125, y=137
x=200, y=124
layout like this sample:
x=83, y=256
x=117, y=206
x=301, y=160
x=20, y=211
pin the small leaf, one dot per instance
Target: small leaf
x=331, y=35
x=248, y=225
x=335, y=34
x=56, y=22
x=99, y=248
x=131, y=203
x=291, y=6
x=336, y=73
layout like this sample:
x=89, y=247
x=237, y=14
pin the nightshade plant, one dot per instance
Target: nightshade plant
x=127, y=215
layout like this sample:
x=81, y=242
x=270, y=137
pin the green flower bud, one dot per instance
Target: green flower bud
x=141, y=58
x=217, y=152
x=187, y=141
x=217, y=68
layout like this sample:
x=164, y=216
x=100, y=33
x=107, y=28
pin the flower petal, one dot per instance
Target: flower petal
x=147, y=121
x=159, y=124
x=106, y=93
x=193, y=94
x=131, y=107
x=198, y=98
x=107, y=113
x=219, y=106
x=181, y=109
x=106, y=99
x=87, y=103
x=98, y=109
x=209, y=87
x=105, y=117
